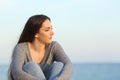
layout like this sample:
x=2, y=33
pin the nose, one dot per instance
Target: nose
x=52, y=33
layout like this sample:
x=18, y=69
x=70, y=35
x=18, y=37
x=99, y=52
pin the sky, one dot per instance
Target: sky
x=88, y=30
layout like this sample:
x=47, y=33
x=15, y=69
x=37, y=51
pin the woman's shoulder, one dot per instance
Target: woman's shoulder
x=20, y=48
x=22, y=45
x=54, y=43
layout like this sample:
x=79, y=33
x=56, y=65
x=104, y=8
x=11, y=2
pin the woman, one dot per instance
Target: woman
x=36, y=56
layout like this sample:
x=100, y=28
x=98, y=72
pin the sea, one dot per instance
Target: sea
x=84, y=71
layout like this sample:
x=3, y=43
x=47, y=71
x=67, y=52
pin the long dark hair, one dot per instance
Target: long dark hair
x=32, y=26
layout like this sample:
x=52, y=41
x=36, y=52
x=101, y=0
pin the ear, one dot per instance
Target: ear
x=36, y=35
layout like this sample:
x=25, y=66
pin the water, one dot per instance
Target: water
x=96, y=71
x=3, y=72
x=85, y=71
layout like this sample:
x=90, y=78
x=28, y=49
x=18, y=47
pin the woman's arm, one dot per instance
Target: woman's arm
x=18, y=59
x=60, y=55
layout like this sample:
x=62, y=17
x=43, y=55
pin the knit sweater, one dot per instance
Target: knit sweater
x=54, y=52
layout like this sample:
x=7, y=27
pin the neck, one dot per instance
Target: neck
x=37, y=46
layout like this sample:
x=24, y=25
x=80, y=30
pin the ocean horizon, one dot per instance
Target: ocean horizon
x=84, y=71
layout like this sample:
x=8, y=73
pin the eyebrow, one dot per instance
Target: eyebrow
x=48, y=27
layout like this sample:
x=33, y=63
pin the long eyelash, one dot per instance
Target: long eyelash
x=46, y=30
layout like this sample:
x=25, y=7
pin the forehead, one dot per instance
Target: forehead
x=46, y=23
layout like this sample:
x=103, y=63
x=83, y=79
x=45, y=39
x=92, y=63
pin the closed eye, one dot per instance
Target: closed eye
x=48, y=28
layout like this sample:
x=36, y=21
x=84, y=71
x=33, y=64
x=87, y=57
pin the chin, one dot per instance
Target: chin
x=48, y=42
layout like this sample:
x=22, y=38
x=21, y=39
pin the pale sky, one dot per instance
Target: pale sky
x=88, y=30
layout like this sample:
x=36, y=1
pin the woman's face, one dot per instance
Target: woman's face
x=45, y=32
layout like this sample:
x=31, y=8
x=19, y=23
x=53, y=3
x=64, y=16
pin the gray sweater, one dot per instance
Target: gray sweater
x=54, y=52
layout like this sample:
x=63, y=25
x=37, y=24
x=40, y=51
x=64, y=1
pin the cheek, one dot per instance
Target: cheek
x=44, y=35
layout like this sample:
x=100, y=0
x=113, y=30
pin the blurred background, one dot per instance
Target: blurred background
x=88, y=30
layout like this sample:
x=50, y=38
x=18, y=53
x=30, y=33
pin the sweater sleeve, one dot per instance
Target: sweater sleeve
x=60, y=55
x=18, y=58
